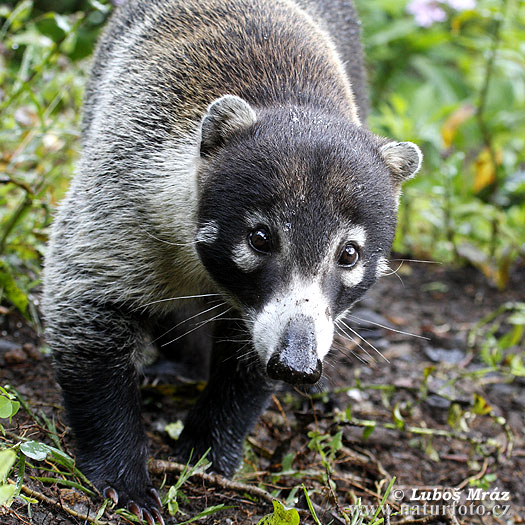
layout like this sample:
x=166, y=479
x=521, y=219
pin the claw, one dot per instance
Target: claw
x=112, y=494
x=153, y=492
x=135, y=509
x=148, y=517
x=158, y=516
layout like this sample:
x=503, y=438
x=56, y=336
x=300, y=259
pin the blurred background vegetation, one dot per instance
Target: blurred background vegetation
x=447, y=74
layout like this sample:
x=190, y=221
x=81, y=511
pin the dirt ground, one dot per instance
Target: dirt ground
x=420, y=384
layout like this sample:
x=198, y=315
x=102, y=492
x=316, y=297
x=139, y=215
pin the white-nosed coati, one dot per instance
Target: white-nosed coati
x=224, y=155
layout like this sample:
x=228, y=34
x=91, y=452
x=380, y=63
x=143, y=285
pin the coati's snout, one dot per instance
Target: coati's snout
x=295, y=360
x=293, y=332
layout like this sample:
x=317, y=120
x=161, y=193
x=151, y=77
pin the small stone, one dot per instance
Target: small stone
x=15, y=356
x=32, y=351
x=443, y=355
x=436, y=401
x=7, y=346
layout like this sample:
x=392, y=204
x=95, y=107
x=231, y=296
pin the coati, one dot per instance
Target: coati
x=225, y=156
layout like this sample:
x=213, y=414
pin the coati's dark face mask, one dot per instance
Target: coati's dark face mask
x=296, y=219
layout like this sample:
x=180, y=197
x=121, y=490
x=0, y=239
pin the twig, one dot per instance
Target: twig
x=48, y=501
x=479, y=475
x=422, y=431
x=334, y=497
x=281, y=411
x=10, y=510
x=163, y=467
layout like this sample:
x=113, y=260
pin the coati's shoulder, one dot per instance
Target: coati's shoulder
x=177, y=56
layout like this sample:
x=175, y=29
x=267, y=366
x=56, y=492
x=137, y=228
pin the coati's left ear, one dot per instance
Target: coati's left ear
x=402, y=158
x=225, y=116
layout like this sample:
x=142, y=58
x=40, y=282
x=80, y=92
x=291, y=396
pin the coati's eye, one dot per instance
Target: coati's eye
x=260, y=240
x=349, y=256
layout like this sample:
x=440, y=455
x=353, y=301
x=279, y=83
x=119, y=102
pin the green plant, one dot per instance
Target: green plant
x=501, y=338
x=456, y=88
x=42, y=78
x=281, y=516
x=175, y=493
x=24, y=452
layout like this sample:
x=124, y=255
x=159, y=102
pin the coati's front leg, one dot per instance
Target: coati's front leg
x=94, y=349
x=235, y=396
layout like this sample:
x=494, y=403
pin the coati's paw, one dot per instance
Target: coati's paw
x=146, y=505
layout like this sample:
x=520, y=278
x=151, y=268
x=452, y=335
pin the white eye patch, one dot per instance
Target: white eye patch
x=245, y=258
x=353, y=276
x=382, y=267
x=208, y=233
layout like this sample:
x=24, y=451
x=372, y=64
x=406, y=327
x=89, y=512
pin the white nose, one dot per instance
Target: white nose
x=300, y=312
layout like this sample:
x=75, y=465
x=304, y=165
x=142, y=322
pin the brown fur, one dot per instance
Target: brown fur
x=285, y=58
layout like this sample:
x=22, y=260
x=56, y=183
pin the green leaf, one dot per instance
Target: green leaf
x=310, y=506
x=336, y=443
x=8, y=408
x=399, y=420
x=174, y=429
x=6, y=493
x=53, y=26
x=17, y=17
x=206, y=512
x=35, y=450
x=516, y=366
x=7, y=460
x=280, y=516
x=99, y=6
x=517, y=317
x=394, y=31
x=367, y=431
x=481, y=407
x=9, y=288
x=286, y=463
x=512, y=337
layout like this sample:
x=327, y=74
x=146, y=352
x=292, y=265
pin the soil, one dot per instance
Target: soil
x=420, y=393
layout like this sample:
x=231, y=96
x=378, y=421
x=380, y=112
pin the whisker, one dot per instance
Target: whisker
x=249, y=353
x=396, y=270
x=171, y=243
x=387, y=327
x=365, y=340
x=417, y=261
x=345, y=351
x=248, y=321
x=188, y=319
x=357, y=343
x=234, y=341
x=199, y=325
x=177, y=299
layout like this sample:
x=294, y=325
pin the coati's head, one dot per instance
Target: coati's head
x=297, y=212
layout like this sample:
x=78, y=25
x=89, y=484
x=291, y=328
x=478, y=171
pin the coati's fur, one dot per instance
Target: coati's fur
x=210, y=128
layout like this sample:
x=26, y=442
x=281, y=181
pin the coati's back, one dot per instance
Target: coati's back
x=266, y=51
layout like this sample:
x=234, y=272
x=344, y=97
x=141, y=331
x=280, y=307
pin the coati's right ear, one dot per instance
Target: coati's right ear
x=402, y=158
x=225, y=116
